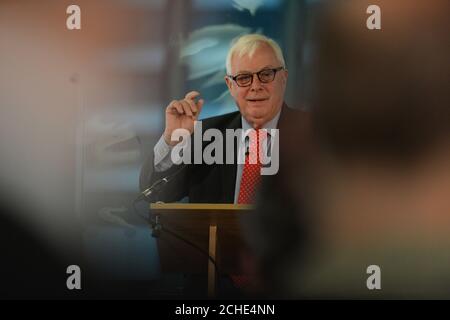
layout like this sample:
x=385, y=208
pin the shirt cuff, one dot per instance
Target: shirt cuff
x=162, y=160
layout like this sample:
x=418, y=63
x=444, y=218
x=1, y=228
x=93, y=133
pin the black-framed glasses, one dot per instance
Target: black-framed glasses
x=265, y=75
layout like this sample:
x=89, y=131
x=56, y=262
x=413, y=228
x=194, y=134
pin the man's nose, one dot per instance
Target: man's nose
x=256, y=84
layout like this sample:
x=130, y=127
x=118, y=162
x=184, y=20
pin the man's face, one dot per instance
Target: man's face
x=258, y=102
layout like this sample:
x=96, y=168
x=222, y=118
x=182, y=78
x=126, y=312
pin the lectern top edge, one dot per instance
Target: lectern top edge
x=201, y=206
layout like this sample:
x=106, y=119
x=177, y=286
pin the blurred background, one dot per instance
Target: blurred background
x=81, y=109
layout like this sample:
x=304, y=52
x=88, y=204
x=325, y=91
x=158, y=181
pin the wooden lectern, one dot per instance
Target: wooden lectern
x=213, y=228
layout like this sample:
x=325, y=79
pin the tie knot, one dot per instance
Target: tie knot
x=257, y=139
x=262, y=135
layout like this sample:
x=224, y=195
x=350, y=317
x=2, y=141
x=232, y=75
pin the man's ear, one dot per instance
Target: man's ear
x=229, y=83
x=286, y=73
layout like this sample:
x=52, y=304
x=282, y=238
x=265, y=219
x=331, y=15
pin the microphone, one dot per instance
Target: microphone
x=156, y=225
x=151, y=191
x=158, y=185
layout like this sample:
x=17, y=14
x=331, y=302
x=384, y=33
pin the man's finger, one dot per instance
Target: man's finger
x=192, y=95
x=175, y=107
x=170, y=107
x=186, y=108
x=200, y=104
x=192, y=105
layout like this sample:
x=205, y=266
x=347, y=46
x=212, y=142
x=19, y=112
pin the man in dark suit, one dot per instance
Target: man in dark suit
x=256, y=78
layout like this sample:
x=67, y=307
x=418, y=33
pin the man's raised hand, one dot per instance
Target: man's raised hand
x=181, y=114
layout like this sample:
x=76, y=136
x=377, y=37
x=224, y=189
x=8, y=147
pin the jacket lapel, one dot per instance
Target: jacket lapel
x=228, y=171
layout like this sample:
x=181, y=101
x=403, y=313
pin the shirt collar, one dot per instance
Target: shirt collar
x=272, y=124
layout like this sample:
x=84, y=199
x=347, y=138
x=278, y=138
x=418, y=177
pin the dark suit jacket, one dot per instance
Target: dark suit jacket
x=214, y=183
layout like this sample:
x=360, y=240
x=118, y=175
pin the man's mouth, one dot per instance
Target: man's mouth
x=257, y=99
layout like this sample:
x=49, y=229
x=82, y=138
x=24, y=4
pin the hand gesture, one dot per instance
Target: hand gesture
x=182, y=114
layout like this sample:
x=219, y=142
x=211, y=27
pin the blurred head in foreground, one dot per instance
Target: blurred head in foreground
x=375, y=190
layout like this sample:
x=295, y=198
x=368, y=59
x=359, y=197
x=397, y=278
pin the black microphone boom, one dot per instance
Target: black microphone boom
x=158, y=185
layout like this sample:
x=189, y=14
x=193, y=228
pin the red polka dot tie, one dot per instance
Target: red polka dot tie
x=251, y=174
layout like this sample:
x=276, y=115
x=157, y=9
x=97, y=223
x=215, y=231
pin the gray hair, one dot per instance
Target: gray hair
x=247, y=44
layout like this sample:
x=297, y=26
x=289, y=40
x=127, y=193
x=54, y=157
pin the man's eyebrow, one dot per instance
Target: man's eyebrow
x=247, y=71
x=243, y=72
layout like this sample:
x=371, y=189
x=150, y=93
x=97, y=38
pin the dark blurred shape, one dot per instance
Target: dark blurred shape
x=382, y=92
x=372, y=185
x=29, y=267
